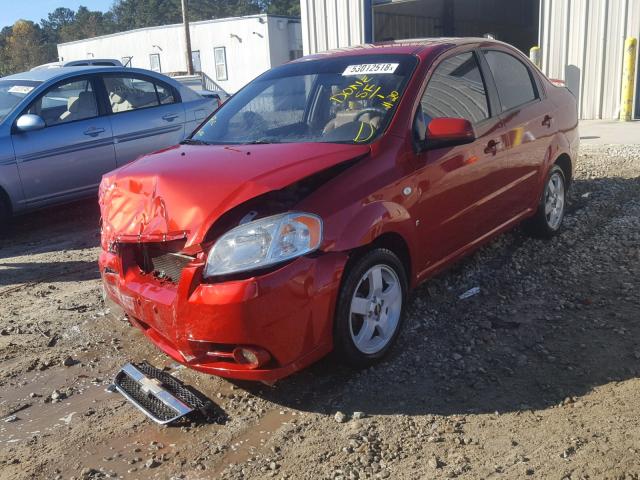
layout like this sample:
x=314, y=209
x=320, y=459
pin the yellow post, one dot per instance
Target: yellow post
x=535, y=55
x=628, y=79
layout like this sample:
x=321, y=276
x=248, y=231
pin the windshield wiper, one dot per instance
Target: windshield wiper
x=193, y=141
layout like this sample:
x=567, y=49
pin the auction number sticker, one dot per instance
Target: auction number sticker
x=370, y=69
x=20, y=89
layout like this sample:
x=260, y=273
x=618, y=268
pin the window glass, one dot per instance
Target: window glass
x=220, y=58
x=456, y=89
x=131, y=93
x=65, y=103
x=13, y=92
x=154, y=62
x=337, y=100
x=195, y=60
x=165, y=94
x=512, y=79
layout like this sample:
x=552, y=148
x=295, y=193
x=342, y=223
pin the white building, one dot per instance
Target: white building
x=581, y=40
x=230, y=51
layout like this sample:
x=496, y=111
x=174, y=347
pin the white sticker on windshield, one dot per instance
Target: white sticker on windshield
x=370, y=69
x=20, y=89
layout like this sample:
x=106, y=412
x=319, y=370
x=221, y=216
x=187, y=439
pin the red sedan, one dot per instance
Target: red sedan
x=298, y=217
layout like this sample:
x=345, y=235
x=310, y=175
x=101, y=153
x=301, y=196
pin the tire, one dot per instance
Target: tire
x=547, y=220
x=5, y=214
x=367, y=327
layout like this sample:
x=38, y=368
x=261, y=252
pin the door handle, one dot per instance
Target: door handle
x=93, y=131
x=170, y=117
x=546, y=121
x=492, y=147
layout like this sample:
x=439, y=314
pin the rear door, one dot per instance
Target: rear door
x=146, y=115
x=68, y=157
x=457, y=184
x=528, y=118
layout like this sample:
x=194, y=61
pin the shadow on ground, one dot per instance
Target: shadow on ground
x=555, y=320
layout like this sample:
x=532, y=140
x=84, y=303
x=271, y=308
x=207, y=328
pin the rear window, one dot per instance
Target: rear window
x=512, y=78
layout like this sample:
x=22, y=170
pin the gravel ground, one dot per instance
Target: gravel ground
x=534, y=377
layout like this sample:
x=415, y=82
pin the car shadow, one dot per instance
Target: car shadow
x=550, y=324
x=62, y=227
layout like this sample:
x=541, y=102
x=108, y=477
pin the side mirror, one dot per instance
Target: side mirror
x=448, y=132
x=30, y=123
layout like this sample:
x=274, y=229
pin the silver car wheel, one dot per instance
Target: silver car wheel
x=375, y=309
x=554, y=201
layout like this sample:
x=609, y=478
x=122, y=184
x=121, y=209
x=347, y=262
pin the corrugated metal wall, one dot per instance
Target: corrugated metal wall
x=582, y=43
x=328, y=24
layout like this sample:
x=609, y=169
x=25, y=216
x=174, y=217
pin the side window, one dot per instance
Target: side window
x=154, y=62
x=456, y=89
x=133, y=93
x=220, y=59
x=512, y=79
x=67, y=102
x=165, y=94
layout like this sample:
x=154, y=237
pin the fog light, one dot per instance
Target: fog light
x=252, y=357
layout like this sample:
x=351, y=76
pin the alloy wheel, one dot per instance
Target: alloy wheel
x=554, y=201
x=376, y=306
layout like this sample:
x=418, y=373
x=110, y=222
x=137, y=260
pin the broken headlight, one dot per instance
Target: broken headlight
x=264, y=242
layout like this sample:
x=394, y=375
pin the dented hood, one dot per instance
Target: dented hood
x=181, y=191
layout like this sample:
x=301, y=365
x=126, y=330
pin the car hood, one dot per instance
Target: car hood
x=181, y=191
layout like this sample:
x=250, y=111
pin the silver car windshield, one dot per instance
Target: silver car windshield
x=347, y=99
x=12, y=92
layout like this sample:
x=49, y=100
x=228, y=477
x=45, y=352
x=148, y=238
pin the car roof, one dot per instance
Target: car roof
x=46, y=74
x=413, y=46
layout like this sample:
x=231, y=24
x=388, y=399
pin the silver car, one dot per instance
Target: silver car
x=62, y=129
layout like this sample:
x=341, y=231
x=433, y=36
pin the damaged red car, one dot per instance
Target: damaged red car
x=296, y=220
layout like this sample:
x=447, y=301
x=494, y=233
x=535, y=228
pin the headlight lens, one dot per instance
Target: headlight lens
x=264, y=242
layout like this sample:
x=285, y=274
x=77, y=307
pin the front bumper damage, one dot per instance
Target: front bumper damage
x=287, y=313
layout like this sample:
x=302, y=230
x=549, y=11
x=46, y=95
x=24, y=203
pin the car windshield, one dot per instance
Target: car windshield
x=12, y=92
x=339, y=100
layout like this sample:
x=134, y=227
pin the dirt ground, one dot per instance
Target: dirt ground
x=534, y=377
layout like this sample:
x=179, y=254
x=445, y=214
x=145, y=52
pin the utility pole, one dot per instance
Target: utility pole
x=187, y=37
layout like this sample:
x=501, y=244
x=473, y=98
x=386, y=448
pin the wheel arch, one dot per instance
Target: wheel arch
x=380, y=225
x=565, y=163
x=6, y=200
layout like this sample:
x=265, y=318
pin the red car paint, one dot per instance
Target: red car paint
x=435, y=205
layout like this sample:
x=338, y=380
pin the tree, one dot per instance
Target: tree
x=24, y=47
x=61, y=17
x=87, y=24
x=284, y=7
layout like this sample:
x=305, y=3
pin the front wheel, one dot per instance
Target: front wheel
x=548, y=218
x=370, y=308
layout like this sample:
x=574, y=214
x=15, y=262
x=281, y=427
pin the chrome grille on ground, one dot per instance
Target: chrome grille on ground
x=162, y=397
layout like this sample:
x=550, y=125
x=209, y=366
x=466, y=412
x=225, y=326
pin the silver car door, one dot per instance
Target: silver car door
x=147, y=115
x=67, y=158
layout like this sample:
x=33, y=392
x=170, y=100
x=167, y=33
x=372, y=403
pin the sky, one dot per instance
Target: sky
x=35, y=10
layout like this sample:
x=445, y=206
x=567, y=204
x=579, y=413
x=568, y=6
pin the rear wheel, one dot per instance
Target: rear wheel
x=548, y=218
x=370, y=308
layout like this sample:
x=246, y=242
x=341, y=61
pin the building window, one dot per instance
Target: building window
x=154, y=61
x=127, y=62
x=220, y=58
x=195, y=60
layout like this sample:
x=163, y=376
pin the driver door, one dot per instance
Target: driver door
x=456, y=183
x=68, y=157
